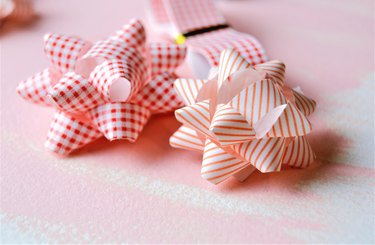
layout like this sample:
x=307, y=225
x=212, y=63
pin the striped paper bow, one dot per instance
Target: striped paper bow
x=246, y=118
x=110, y=87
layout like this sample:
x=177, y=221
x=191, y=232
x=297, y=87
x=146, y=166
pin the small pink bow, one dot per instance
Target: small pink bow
x=16, y=10
x=245, y=118
x=110, y=87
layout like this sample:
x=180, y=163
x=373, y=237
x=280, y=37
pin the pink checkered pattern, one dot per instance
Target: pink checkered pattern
x=133, y=34
x=164, y=57
x=197, y=14
x=212, y=43
x=191, y=15
x=120, y=120
x=63, y=51
x=74, y=93
x=35, y=88
x=68, y=133
x=105, y=74
x=159, y=11
x=83, y=81
x=158, y=95
x=111, y=49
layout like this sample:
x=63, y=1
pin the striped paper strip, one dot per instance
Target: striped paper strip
x=257, y=100
x=187, y=138
x=291, y=123
x=264, y=154
x=299, y=153
x=188, y=89
x=275, y=69
x=230, y=62
x=218, y=165
x=230, y=127
x=196, y=116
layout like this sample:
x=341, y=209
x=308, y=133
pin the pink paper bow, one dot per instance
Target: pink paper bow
x=16, y=10
x=110, y=87
x=246, y=118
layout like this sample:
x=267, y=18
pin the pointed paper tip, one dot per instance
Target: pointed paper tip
x=46, y=37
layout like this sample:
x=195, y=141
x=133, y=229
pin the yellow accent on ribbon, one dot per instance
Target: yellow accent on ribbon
x=180, y=39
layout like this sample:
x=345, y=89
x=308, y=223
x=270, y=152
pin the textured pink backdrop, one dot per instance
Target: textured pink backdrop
x=150, y=192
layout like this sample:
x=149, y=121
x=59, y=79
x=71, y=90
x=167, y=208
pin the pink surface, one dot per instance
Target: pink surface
x=150, y=192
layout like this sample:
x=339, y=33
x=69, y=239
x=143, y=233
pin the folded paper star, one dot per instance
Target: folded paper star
x=110, y=87
x=243, y=118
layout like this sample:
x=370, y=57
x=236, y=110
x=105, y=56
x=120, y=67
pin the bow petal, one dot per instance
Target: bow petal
x=133, y=34
x=230, y=127
x=120, y=120
x=196, y=116
x=230, y=62
x=291, y=123
x=275, y=69
x=244, y=173
x=63, y=51
x=257, y=100
x=164, y=57
x=68, y=133
x=218, y=165
x=116, y=80
x=187, y=138
x=299, y=153
x=237, y=82
x=108, y=50
x=158, y=95
x=304, y=104
x=188, y=89
x=35, y=88
x=74, y=93
x=264, y=154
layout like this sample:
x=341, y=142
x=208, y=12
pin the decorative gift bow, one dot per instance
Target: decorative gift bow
x=107, y=88
x=244, y=119
x=16, y=10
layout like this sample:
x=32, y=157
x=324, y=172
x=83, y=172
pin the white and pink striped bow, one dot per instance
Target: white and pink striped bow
x=110, y=87
x=244, y=118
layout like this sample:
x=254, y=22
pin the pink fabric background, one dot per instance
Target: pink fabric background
x=150, y=192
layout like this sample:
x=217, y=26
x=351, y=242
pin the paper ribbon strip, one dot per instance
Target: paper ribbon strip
x=243, y=119
x=110, y=87
x=200, y=25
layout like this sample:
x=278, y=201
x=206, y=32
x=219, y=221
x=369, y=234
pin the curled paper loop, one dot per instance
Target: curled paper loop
x=249, y=120
x=63, y=51
x=133, y=34
x=68, y=132
x=116, y=80
x=120, y=120
x=107, y=88
x=35, y=88
x=74, y=93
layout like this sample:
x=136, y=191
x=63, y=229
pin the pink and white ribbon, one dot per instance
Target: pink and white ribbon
x=244, y=118
x=110, y=87
x=206, y=30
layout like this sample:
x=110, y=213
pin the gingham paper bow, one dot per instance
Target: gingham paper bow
x=244, y=119
x=110, y=87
